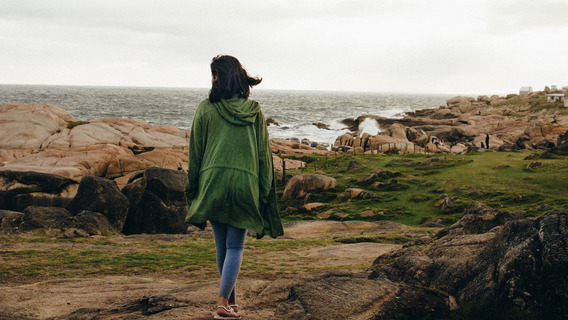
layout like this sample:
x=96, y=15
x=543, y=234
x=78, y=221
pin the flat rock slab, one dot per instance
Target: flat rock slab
x=122, y=297
x=317, y=229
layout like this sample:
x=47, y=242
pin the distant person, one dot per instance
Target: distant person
x=482, y=145
x=487, y=141
x=230, y=173
x=436, y=142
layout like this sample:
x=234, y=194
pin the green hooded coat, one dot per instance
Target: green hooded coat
x=230, y=172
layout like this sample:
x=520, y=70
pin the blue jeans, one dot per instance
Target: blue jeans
x=229, y=242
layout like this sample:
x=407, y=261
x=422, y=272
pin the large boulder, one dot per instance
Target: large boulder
x=345, y=139
x=524, y=267
x=19, y=190
x=61, y=221
x=522, y=264
x=10, y=221
x=348, y=294
x=29, y=126
x=523, y=142
x=302, y=185
x=44, y=217
x=397, y=131
x=157, y=202
x=459, y=101
x=357, y=193
x=90, y=223
x=379, y=175
x=283, y=146
x=561, y=144
x=480, y=219
x=101, y=195
x=44, y=138
x=73, y=163
x=455, y=135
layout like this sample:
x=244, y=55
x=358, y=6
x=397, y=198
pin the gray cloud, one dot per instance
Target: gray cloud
x=337, y=45
x=517, y=16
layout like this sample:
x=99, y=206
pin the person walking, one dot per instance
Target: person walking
x=230, y=173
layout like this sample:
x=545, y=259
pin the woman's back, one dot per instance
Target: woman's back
x=230, y=127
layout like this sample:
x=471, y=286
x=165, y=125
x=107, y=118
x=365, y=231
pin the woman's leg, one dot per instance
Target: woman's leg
x=220, y=235
x=232, y=264
x=229, y=242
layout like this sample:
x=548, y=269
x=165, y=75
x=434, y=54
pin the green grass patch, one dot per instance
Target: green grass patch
x=73, y=124
x=497, y=179
x=86, y=257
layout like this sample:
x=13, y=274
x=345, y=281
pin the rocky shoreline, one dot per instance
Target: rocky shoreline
x=106, y=176
x=50, y=159
x=46, y=138
x=466, y=124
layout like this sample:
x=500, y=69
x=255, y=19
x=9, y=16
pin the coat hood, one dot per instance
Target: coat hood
x=238, y=111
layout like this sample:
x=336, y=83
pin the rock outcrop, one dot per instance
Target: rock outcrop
x=10, y=221
x=157, y=202
x=101, y=195
x=512, y=123
x=18, y=190
x=46, y=138
x=152, y=202
x=302, y=185
x=286, y=147
x=44, y=217
x=490, y=257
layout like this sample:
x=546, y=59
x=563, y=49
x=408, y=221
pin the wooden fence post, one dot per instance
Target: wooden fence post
x=284, y=171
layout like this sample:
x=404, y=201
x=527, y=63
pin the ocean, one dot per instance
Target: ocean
x=294, y=111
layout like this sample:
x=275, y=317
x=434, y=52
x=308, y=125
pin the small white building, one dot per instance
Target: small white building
x=555, y=97
x=525, y=90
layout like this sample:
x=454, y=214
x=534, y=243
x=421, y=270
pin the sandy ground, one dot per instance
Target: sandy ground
x=158, y=297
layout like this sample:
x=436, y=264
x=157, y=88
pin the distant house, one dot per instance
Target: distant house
x=553, y=88
x=555, y=97
x=525, y=90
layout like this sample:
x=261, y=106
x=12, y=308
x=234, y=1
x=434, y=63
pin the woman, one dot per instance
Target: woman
x=230, y=173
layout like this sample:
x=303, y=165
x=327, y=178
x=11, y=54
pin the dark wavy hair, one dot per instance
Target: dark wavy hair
x=232, y=79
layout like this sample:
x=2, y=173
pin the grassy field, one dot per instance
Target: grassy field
x=501, y=180
x=31, y=258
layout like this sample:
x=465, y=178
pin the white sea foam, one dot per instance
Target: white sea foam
x=394, y=112
x=370, y=126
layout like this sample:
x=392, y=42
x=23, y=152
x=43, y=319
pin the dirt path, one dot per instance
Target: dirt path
x=169, y=297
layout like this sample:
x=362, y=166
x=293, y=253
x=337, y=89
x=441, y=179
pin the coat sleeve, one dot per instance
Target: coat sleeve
x=265, y=168
x=197, y=138
x=267, y=187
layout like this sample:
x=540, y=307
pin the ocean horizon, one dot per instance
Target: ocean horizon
x=296, y=111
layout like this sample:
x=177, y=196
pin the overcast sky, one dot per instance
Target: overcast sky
x=408, y=46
